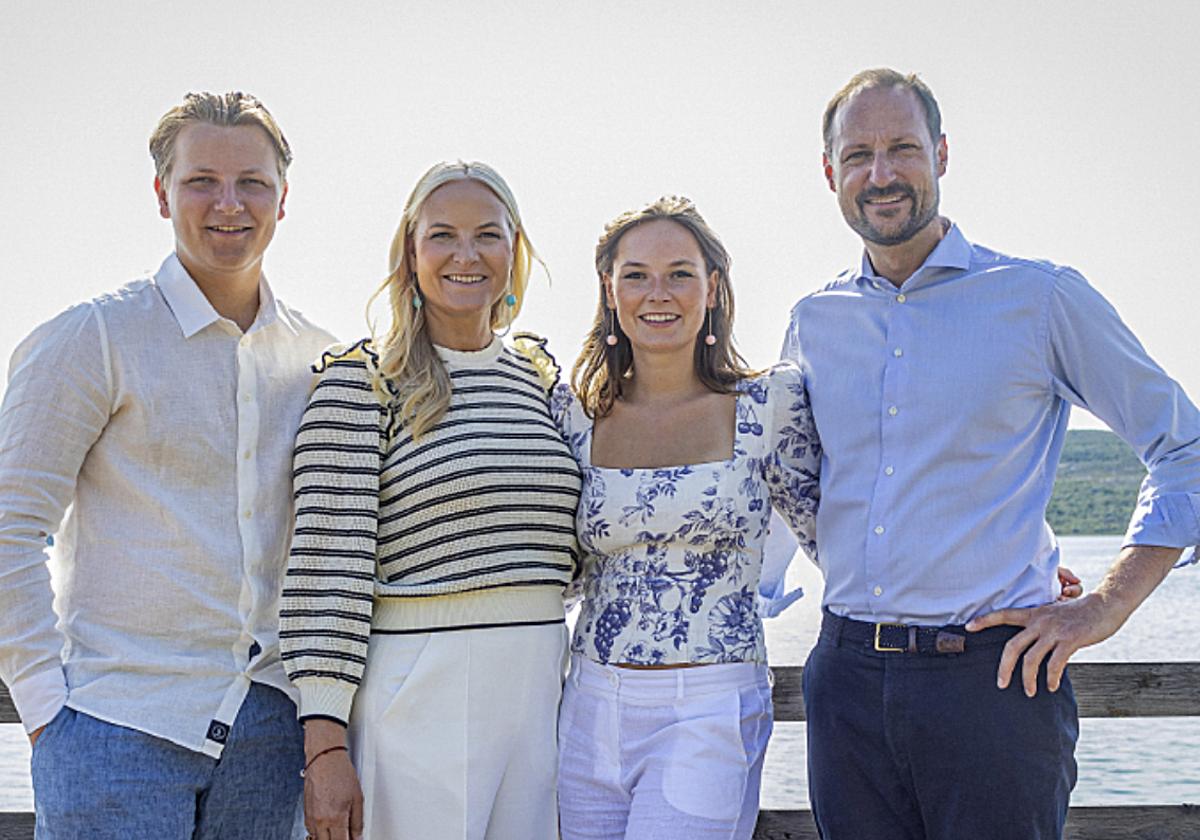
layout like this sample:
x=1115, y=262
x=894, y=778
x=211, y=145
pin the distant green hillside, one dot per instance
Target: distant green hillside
x=1097, y=485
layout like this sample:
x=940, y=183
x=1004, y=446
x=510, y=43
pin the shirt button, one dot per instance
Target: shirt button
x=246, y=455
x=878, y=529
x=889, y=470
x=247, y=397
x=878, y=590
x=246, y=514
x=897, y=352
x=901, y=298
x=892, y=410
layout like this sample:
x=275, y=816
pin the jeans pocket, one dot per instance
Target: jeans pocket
x=42, y=760
x=49, y=728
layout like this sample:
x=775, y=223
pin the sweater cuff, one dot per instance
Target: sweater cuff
x=326, y=698
x=39, y=697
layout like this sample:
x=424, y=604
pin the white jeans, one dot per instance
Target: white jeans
x=662, y=754
x=453, y=734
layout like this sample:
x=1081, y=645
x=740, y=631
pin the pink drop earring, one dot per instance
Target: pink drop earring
x=611, y=338
x=709, y=339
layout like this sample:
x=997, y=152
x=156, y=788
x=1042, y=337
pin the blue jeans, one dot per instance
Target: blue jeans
x=96, y=780
x=926, y=747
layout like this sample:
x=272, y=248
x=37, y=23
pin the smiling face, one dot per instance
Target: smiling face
x=660, y=288
x=884, y=166
x=223, y=195
x=462, y=251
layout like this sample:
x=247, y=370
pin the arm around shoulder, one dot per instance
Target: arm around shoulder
x=793, y=465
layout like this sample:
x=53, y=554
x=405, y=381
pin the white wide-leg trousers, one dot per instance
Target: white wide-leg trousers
x=671, y=754
x=453, y=734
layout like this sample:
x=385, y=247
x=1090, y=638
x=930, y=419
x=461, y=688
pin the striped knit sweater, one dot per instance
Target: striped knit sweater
x=471, y=526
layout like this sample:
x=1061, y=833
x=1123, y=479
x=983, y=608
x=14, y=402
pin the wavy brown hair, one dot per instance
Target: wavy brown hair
x=600, y=370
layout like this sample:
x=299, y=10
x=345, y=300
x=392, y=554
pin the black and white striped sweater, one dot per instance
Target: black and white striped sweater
x=473, y=525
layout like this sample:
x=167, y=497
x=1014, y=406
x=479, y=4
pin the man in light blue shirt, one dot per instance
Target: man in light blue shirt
x=941, y=375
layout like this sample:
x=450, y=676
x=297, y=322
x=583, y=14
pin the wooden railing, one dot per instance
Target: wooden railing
x=1103, y=690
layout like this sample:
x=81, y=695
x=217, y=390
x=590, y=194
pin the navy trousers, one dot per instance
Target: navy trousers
x=925, y=747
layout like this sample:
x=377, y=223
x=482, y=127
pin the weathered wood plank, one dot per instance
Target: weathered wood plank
x=14, y=826
x=1148, y=822
x=1103, y=689
x=8, y=714
x=1136, y=822
x=785, y=825
x=787, y=696
x=1137, y=689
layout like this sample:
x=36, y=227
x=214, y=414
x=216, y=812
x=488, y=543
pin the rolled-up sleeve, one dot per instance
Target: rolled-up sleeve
x=1098, y=364
x=56, y=406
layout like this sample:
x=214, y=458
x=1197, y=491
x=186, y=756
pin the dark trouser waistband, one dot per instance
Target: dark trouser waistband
x=893, y=638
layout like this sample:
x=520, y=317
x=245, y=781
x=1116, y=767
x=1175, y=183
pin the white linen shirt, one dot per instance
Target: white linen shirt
x=169, y=434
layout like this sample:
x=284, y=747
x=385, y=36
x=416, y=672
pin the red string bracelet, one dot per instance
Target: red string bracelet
x=325, y=751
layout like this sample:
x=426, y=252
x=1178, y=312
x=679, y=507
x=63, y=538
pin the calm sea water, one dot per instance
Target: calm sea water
x=1149, y=761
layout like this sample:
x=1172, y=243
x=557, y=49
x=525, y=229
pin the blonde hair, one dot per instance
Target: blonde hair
x=408, y=361
x=600, y=369
x=222, y=109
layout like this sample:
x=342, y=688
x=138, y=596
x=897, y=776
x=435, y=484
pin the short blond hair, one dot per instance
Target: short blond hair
x=223, y=109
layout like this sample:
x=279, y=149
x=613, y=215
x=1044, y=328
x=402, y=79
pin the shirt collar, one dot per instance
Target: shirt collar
x=952, y=253
x=191, y=308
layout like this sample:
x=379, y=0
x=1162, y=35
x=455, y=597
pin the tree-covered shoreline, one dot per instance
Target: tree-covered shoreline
x=1097, y=485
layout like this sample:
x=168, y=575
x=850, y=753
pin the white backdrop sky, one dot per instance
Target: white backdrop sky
x=1072, y=129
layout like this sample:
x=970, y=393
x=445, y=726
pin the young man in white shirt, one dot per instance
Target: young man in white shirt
x=163, y=414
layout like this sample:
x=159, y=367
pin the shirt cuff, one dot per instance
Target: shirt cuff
x=1171, y=520
x=326, y=698
x=39, y=697
x=1190, y=557
x=779, y=548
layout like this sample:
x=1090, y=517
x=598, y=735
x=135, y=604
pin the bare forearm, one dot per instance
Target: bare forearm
x=1058, y=630
x=321, y=734
x=1138, y=570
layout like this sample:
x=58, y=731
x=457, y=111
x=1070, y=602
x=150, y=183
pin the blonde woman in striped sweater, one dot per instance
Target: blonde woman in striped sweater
x=422, y=616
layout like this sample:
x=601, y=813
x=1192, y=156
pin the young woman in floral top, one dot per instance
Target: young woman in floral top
x=684, y=453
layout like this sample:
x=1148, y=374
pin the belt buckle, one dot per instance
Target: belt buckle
x=879, y=647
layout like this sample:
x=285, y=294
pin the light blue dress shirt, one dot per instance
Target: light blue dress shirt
x=942, y=406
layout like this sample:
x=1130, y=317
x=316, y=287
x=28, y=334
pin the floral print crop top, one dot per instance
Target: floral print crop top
x=672, y=555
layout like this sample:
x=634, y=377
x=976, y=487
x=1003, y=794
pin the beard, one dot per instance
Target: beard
x=918, y=216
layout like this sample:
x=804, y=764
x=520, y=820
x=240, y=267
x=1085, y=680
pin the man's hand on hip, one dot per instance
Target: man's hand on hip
x=1058, y=630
